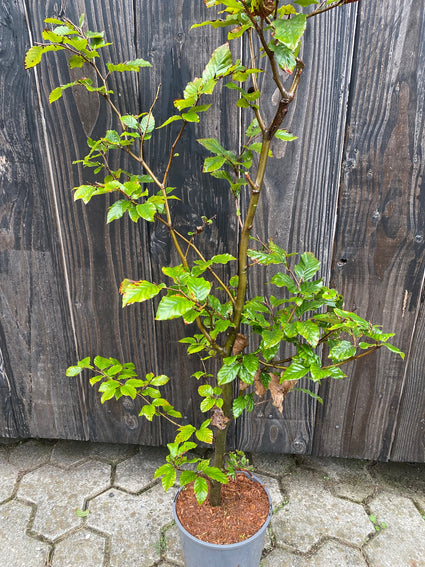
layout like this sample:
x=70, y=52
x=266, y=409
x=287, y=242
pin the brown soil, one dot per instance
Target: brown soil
x=244, y=509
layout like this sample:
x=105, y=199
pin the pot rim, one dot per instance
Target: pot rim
x=226, y=545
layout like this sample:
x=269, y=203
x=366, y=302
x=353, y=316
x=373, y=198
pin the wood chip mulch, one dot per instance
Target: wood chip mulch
x=244, y=509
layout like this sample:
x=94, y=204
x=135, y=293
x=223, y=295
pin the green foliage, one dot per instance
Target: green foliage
x=210, y=292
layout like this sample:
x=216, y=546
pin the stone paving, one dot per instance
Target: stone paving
x=76, y=504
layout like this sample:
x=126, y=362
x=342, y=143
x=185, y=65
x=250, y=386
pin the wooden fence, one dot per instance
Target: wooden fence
x=351, y=190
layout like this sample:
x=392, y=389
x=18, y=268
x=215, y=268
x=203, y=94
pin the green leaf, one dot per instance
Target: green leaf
x=136, y=292
x=307, y=266
x=130, y=121
x=205, y=434
x=33, y=56
x=239, y=404
x=82, y=513
x=187, y=476
x=284, y=57
x=227, y=373
x=284, y=280
x=305, y=3
x=272, y=337
x=219, y=64
x=222, y=258
x=55, y=94
x=147, y=411
x=212, y=145
x=289, y=32
x=198, y=287
x=173, y=306
x=55, y=21
x=117, y=210
x=146, y=211
x=134, y=65
x=216, y=474
x=128, y=390
x=170, y=120
x=341, y=351
x=213, y=163
x=206, y=390
x=102, y=363
x=394, y=349
x=108, y=388
x=168, y=473
x=84, y=192
x=207, y=404
x=285, y=136
x=73, y=370
x=76, y=61
x=147, y=124
x=295, y=371
x=250, y=363
x=160, y=380
x=185, y=433
x=200, y=488
x=310, y=331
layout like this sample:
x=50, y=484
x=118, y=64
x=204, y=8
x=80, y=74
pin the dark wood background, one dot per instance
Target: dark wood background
x=351, y=190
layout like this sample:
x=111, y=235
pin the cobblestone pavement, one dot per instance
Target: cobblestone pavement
x=76, y=504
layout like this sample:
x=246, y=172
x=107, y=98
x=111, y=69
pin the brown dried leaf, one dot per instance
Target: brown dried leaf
x=240, y=343
x=280, y=390
x=243, y=386
x=260, y=389
x=219, y=419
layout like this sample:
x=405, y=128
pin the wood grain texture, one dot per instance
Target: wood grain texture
x=97, y=257
x=300, y=199
x=379, y=254
x=35, y=400
x=360, y=104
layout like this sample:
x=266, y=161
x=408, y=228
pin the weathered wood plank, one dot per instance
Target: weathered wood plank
x=35, y=323
x=300, y=201
x=379, y=253
x=97, y=257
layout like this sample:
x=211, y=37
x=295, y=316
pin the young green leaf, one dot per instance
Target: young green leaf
x=33, y=56
x=200, y=488
x=134, y=65
x=168, y=474
x=289, y=32
x=136, y=292
x=173, y=306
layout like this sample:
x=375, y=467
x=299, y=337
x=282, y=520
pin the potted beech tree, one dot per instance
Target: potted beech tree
x=244, y=333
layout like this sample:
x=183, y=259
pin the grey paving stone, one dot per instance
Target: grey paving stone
x=134, y=523
x=8, y=476
x=59, y=493
x=173, y=546
x=330, y=554
x=272, y=463
x=81, y=549
x=407, y=476
x=349, y=478
x=313, y=513
x=70, y=453
x=29, y=455
x=112, y=452
x=16, y=548
x=402, y=541
x=135, y=473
